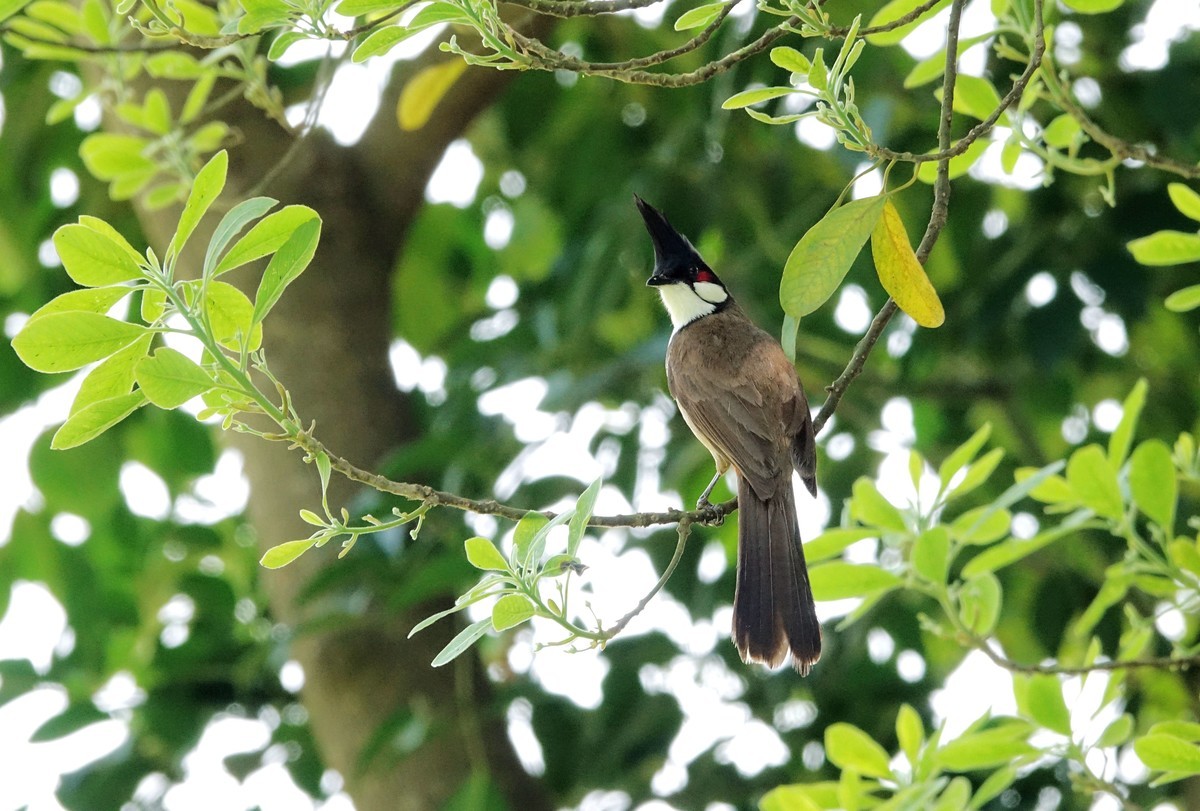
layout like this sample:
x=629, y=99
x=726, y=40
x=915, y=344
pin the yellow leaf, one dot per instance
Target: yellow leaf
x=900, y=273
x=421, y=95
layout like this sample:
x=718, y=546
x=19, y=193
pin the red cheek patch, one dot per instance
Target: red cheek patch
x=705, y=275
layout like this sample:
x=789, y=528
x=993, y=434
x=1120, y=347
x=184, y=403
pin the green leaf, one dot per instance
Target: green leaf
x=1166, y=248
x=933, y=67
x=63, y=342
x=755, y=96
x=466, y=638
x=818, y=74
x=207, y=186
x=831, y=542
x=979, y=472
x=108, y=155
x=870, y=507
x=1186, y=730
x=848, y=747
x=838, y=580
x=1117, y=732
x=1062, y=132
x=955, y=796
x=974, y=96
x=894, y=10
x=583, y=514
x=1095, y=482
x=355, y=8
x=230, y=314
x=1122, y=436
x=92, y=259
x=288, y=262
x=89, y=300
x=113, y=376
x=11, y=7
x=979, y=603
x=698, y=17
x=1093, y=6
x=1044, y=699
x=422, y=93
x=232, y=224
x=282, y=554
x=1153, y=483
x=996, y=784
x=790, y=59
x=1185, y=199
x=527, y=529
x=927, y=171
x=1168, y=753
x=982, y=525
x=511, y=610
x=1014, y=549
x=816, y=266
x=1185, y=300
x=169, y=378
x=900, y=273
x=92, y=420
x=987, y=749
x=483, y=554
x=931, y=554
x=963, y=454
x=265, y=237
x=910, y=732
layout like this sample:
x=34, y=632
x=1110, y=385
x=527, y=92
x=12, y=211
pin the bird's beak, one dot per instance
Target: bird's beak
x=671, y=248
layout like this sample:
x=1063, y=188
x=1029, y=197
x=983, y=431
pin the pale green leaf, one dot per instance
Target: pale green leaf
x=1095, y=482
x=1122, y=436
x=1185, y=199
x=113, y=376
x=527, y=529
x=869, y=507
x=1093, y=6
x=995, y=785
x=288, y=262
x=848, y=747
x=11, y=7
x=89, y=300
x=1014, y=549
x=284, y=553
x=63, y=342
x=1167, y=753
x=893, y=11
x=207, y=186
x=1166, y=248
x=1117, y=732
x=483, y=554
x=466, y=638
x=92, y=420
x=838, y=580
x=1062, y=132
x=1153, y=483
x=987, y=749
x=931, y=554
x=231, y=315
x=982, y=525
x=979, y=603
x=92, y=259
x=424, y=91
x=265, y=237
x=755, y=96
x=927, y=171
x=1045, y=703
x=583, y=513
x=910, y=732
x=963, y=454
x=816, y=266
x=511, y=610
x=699, y=17
x=169, y=378
x=831, y=542
x=232, y=224
x=1185, y=300
x=791, y=60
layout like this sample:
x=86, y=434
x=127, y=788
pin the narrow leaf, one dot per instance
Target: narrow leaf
x=1185, y=300
x=831, y=542
x=421, y=95
x=1185, y=199
x=288, y=262
x=231, y=225
x=910, y=732
x=583, y=514
x=816, y=266
x=699, y=16
x=1164, y=248
x=265, y=237
x=466, y=638
x=986, y=749
x=963, y=454
x=88, y=300
x=209, y=182
x=284, y=553
x=1122, y=436
x=755, y=96
x=113, y=376
x=900, y=273
x=1014, y=549
x=527, y=529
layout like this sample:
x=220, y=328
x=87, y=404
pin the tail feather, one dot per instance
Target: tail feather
x=773, y=610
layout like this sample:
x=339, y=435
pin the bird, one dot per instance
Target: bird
x=741, y=396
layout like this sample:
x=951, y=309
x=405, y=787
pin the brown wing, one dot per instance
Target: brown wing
x=737, y=387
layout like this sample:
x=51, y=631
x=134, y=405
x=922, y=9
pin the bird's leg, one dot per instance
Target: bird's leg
x=702, y=503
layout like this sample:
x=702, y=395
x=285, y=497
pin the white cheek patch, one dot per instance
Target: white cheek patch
x=712, y=293
x=684, y=306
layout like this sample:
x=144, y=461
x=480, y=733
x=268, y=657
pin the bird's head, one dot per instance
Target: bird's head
x=688, y=286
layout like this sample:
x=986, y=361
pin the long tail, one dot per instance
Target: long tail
x=773, y=611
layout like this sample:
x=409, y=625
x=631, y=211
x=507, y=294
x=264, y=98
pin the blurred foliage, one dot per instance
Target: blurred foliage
x=562, y=157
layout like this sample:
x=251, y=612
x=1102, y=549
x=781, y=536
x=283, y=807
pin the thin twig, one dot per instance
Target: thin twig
x=684, y=530
x=580, y=8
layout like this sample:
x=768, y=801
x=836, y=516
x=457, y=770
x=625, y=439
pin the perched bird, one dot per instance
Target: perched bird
x=739, y=394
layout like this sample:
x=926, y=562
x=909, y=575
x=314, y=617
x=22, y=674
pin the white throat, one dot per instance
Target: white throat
x=685, y=303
